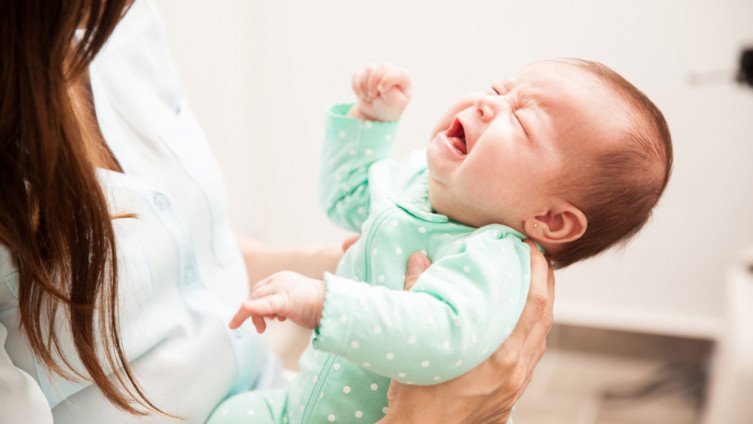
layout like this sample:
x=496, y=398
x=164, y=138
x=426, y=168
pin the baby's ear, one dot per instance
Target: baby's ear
x=561, y=224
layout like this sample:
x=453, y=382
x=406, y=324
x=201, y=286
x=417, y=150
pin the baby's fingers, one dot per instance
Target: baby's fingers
x=259, y=323
x=364, y=82
x=266, y=306
x=375, y=77
x=396, y=77
x=359, y=82
x=356, y=82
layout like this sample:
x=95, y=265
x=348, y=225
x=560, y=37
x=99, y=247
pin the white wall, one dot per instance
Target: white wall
x=260, y=74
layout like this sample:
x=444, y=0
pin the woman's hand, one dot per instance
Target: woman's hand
x=487, y=393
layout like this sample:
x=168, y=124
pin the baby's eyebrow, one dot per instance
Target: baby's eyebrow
x=503, y=86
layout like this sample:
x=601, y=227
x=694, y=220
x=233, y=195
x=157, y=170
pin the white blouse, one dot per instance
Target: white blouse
x=181, y=272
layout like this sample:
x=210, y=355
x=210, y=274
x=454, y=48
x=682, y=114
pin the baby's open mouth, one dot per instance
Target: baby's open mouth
x=456, y=137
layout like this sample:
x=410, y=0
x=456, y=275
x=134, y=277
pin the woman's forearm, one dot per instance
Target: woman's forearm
x=310, y=260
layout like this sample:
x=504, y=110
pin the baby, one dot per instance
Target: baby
x=568, y=154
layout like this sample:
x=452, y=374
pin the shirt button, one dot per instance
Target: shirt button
x=161, y=201
x=189, y=274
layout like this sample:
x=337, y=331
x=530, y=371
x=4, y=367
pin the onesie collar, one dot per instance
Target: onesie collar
x=415, y=200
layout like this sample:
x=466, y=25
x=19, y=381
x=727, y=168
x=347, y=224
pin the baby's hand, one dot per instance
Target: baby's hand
x=285, y=295
x=383, y=92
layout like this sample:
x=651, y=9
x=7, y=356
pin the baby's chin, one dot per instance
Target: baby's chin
x=445, y=205
x=436, y=198
x=442, y=203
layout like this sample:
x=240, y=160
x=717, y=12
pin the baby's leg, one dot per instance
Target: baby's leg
x=261, y=406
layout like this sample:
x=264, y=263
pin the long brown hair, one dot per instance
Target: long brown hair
x=53, y=214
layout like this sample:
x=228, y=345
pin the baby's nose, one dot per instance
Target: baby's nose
x=485, y=107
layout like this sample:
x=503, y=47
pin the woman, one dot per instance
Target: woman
x=119, y=267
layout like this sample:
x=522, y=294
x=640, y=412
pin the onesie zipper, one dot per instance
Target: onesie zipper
x=328, y=363
x=317, y=389
x=370, y=238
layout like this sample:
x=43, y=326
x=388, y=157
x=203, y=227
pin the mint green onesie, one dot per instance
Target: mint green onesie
x=460, y=310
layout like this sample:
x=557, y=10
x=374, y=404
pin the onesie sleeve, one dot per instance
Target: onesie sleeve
x=459, y=312
x=21, y=399
x=351, y=147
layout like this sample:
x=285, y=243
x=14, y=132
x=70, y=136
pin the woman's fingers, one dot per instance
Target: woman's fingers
x=535, y=345
x=487, y=393
x=417, y=264
x=538, y=321
x=350, y=241
x=539, y=300
x=522, y=350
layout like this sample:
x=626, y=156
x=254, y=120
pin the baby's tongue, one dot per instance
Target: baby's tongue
x=459, y=144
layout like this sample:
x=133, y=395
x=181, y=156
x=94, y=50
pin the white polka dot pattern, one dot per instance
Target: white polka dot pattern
x=460, y=308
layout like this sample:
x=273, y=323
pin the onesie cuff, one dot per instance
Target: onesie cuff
x=372, y=138
x=338, y=314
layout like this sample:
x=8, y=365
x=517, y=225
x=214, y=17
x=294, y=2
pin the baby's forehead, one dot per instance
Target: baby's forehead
x=552, y=82
x=557, y=74
x=571, y=99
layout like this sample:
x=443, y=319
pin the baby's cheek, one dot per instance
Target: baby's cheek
x=447, y=117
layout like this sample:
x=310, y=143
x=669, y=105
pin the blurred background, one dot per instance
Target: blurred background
x=656, y=332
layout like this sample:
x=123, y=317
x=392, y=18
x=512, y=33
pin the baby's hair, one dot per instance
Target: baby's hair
x=619, y=189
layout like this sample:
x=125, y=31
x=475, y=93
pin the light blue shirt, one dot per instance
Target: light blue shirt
x=181, y=272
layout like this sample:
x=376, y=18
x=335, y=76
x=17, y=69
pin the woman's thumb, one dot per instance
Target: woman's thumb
x=417, y=264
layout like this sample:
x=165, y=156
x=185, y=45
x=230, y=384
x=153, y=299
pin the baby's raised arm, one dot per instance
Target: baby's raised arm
x=356, y=137
x=383, y=92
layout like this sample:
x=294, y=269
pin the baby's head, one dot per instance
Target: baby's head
x=569, y=153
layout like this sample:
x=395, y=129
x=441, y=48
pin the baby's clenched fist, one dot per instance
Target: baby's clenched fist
x=383, y=92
